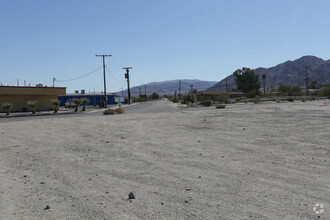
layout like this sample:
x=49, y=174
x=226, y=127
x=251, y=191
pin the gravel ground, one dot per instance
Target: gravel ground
x=248, y=161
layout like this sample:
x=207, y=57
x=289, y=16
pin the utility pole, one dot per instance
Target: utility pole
x=145, y=91
x=105, y=87
x=54, y=82
x=179, y=90
x=226, y=85
x=128, y=89
x=306, y=81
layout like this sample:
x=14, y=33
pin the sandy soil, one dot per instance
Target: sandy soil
x=264, y=161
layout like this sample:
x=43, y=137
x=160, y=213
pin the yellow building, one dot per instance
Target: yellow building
x=19, y=95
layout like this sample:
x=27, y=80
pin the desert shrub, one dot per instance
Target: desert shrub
x=257, y=99
x=33, y=104
x=273, y=99
x=290, y=99
x=120, y=110
x=109, y=112
x=77, y=102
x=7, y=107
x=55, y=103
x=220, y=106
x=84, y=101
x=206, y=102
x=238, y=99
x=188, y=98
x=253, y=93
x=303, y=99
x=325, y=92
x=224, y=98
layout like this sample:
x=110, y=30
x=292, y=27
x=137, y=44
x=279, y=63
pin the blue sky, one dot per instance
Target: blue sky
x=161, y=40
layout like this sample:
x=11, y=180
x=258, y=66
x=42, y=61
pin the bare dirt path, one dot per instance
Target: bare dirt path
x=266, y=161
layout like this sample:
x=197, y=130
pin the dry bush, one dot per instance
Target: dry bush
x=206, y=103
x=220, y=106
x=109, y=112
x=290, y=99
x=120, y=110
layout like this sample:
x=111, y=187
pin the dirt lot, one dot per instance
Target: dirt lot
x=264, y=161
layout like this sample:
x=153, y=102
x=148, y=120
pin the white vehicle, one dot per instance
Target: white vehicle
x=69, y=104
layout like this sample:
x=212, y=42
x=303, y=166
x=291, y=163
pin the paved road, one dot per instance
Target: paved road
x=144, y=107
x=150, y=107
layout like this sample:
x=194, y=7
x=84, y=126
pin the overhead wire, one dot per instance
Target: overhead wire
x=79, y=76
x=113, y=75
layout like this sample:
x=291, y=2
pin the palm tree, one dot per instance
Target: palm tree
x=56, y=103
x=264, y=78
x=7, y=106
x=84, y=101
x=77, y=102
x=33, y=105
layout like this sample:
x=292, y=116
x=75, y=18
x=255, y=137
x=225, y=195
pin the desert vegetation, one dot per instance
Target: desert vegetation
x=7, y=107
x=56, y=103
x=33, y=104
x=84, y=101
x=77, y=102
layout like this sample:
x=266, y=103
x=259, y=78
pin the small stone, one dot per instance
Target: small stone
x=243, y=128
x=131, y=195
x=162, y=203
x=25, y=175
x=47, y=207
x=42, y=183
x=185, y=201
x=199, y=177
x=188, y=189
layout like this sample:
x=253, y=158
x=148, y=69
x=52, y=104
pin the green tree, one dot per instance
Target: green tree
x=247, y=80
x=33, y=104
x=154, y=96
x=286, y=90
x=296, y=90
x=325, y=91
x=84, y=101
x=55, y=103
x=264, y=79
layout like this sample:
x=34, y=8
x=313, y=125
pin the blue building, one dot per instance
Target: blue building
x=94, y=99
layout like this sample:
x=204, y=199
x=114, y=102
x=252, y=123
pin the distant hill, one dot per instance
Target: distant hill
x=168, y=87
x=288, y=73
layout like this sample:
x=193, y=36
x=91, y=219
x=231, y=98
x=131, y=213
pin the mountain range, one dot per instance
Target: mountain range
x=169, y=87
x=288, y=73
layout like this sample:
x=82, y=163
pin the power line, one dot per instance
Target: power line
x=113, y=75
x=79, y=76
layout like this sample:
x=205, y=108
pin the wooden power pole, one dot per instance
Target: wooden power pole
x=105, y=86
x=128, y=89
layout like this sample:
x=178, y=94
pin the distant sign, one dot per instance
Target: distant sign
x=119, y=99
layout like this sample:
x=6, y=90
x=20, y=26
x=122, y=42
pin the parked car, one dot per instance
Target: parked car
x=69, y=104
